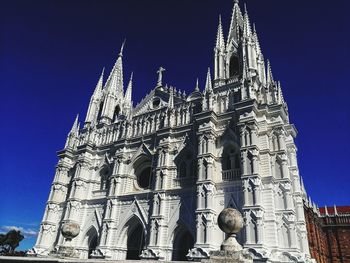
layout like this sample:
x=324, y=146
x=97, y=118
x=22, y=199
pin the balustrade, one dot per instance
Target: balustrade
x=231, y=175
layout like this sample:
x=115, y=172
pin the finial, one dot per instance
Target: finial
x=208, y=85
x=236, y=2
x=245, y=8
x=335, y=210
x=197, y=85
x=122, y=48
x=160, y=76
x=325, y=210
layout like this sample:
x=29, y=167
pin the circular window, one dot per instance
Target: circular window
x=156, y=102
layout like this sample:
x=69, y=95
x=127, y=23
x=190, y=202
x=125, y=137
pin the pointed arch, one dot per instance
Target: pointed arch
x=104, y=173
x=91, y=238
x=182, y=242
x=186, y=163
x=234, y=65
x=133, y=237
x=116, y=113
x=100, y=109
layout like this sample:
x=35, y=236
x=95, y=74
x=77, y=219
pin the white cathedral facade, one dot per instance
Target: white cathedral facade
x=148, y=182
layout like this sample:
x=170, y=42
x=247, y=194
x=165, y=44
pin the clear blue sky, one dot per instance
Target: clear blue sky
x=52, y=53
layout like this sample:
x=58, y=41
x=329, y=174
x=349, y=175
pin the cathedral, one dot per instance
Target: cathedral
x=149, y=181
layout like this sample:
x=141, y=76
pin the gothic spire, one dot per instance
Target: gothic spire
x=247, y=30
x=114, y=82
x=99, y=85
x=269, y=78
x=128, y=93
x=220, y=41
x=236, y=21
x=75, y=128
x=256, y=40
x=208, y=85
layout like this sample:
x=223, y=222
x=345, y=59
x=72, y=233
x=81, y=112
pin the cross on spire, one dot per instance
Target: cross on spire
x=122, y=48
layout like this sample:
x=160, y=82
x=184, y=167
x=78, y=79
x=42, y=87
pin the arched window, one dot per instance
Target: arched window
x=249, y=164
x=234, y=66
x=99, y=114
x=278, y=170
x=116, y=113
x=91, y=240
x=230, y=159
x=285, y=236
x=104, y=178
x=185, y=165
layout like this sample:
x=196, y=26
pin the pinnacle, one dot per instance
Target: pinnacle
x=208, y=85
x=220, y=42
x=236, y=20
x=75, y=127
x=197, y=86
x=128, y=93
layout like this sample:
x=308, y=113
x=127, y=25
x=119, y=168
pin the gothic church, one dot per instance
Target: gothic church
x=148, y=181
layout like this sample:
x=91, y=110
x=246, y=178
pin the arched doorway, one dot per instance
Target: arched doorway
x=183, y=242
x=135, y=241
x=92, y=240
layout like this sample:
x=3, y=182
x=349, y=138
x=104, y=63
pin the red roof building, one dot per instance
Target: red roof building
x=328, y=233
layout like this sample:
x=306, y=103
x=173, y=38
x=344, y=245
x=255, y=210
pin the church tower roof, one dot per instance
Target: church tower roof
x=114, y=83
x=220, y=41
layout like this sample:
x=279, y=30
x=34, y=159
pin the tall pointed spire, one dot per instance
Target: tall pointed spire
x=220, y=41
x=269, y=77
x=247, y=30
x=114, y=82
x=236, y=22
x=75, y=128
x=128, y=93
x=208, y=85
x=256, y=40
x=99, y=85
x=326, y=210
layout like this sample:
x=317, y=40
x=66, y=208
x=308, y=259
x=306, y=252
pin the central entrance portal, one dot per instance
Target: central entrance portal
x=183, y=242
x=135, y=242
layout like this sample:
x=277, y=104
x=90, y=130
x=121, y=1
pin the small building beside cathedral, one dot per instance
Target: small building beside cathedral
x=149, y=181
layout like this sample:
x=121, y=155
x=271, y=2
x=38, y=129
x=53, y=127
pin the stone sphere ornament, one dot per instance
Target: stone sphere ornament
x=70, y=230
x=230, y=221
